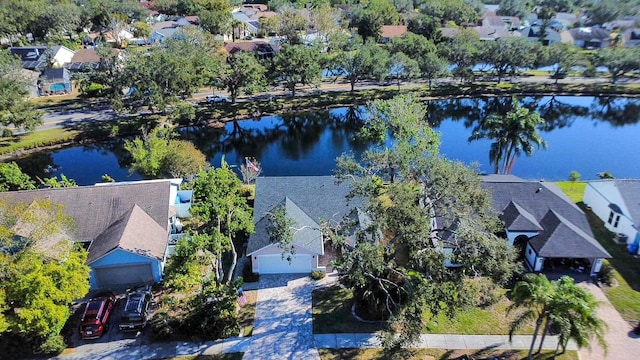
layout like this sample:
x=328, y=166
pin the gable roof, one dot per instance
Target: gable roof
x=630, y=192
x=562, y=239
x=317, y=197
x=95, y=208
x=85, y=56
x=516, y=218
x=589, y=34
x=306, y=235
x=135, y=231
x=532, y=201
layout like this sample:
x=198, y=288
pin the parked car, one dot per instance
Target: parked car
x=216, y=99
x=95, y=319
x=136, y=309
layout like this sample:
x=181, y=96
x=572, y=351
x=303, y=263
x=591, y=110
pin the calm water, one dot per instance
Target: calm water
x=586, y=134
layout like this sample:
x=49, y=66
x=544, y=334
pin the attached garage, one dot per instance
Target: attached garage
x=275, y=264
x=122, y=275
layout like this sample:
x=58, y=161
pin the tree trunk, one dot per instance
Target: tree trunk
x=544, y=335
x=555, y=353
x=353, y=83
x=535, y=335
x=429, y=84
x=234, y=253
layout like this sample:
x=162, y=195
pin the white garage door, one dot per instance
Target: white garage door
x=274, y=264
x=114, y=276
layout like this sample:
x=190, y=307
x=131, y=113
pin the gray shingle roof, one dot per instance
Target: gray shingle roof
x=136, y=232
x=516, y=218
x=562, y=239
x=95, y=208
x=310, y=198
x=630, y=192
x=537, y=199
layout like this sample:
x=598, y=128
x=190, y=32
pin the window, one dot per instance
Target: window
x=610, y=218
x=615, y=224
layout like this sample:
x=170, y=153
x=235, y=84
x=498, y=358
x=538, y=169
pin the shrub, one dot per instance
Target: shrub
x=317, y=275
x=53, y=345
x=248, y=275
x=606, y=275
x=161, y=328
x=481, y=292
x=574, y=176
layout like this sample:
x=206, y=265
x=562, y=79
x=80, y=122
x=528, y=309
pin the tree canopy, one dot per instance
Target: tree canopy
x=398, y=266
x=297, y=64
x=37, y=287
x=15, y=109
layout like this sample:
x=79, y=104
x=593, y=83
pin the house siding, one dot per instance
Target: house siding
x=534, y=261
x=598, y=195
x=121, y=257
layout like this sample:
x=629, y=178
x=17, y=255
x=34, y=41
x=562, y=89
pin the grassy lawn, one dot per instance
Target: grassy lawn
x=573, y=189
x=439, y=354
x=626, y=296
x=36, y=139
x=492, y=320
x=248, y=312
x=332, y=314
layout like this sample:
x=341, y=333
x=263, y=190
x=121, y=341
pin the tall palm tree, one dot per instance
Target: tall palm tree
x=534, y=292
x=512, y=134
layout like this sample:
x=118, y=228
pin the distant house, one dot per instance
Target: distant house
x=260, y=49
x=590, y=37
x=490, y=19
x=617, y=203
x=485, y=33
x=632, y=37
x=54, y=82
x=125, y=225
x=107, y=36
x=84, y=60
x=39, y=57
x=308, y=200
x=543, y=222
x=389, y=32
x=533, y=33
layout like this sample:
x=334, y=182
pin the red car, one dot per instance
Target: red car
x=95, y=319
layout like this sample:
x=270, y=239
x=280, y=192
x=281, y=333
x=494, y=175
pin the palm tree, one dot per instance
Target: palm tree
x=534, y=292
x=514, y=133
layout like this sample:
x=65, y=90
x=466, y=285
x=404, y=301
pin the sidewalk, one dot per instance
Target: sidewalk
x=439, y=341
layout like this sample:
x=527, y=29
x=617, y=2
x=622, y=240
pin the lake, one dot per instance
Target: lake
x=586, y=134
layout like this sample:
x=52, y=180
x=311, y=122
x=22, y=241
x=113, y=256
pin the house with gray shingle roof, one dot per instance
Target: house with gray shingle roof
x=542, y=220
x=617, y=203
x=308, y=201
x=126, y=226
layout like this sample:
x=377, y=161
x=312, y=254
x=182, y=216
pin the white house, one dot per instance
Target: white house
x=617, y=203
x=543, y=222
x=37, y=57
x=308, y=200
x=125, y=225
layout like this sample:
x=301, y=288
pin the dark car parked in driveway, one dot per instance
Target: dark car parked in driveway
x=95, y=318
x=136, y=309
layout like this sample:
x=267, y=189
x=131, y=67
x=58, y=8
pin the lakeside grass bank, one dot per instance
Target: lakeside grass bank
x=13, y=147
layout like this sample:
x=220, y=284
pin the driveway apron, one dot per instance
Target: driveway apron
x=283, y=324
x=622, y=344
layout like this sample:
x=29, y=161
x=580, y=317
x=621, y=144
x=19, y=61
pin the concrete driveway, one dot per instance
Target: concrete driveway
x=622, y=343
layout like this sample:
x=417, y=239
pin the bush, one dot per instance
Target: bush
x=53, y=345
x=248, y=275
x=481, y=292
x=574, y=176
x=607, y=275
x=317, y=275
x=161, y=328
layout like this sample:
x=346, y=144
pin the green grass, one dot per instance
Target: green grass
x=492, y=320
x=439, y=354
x=36, y=139
x=573, y=189
x=332, y=313
x=247, y=313
x=625, y=297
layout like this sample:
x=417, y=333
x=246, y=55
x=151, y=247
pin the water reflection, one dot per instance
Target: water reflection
x=308, y=143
